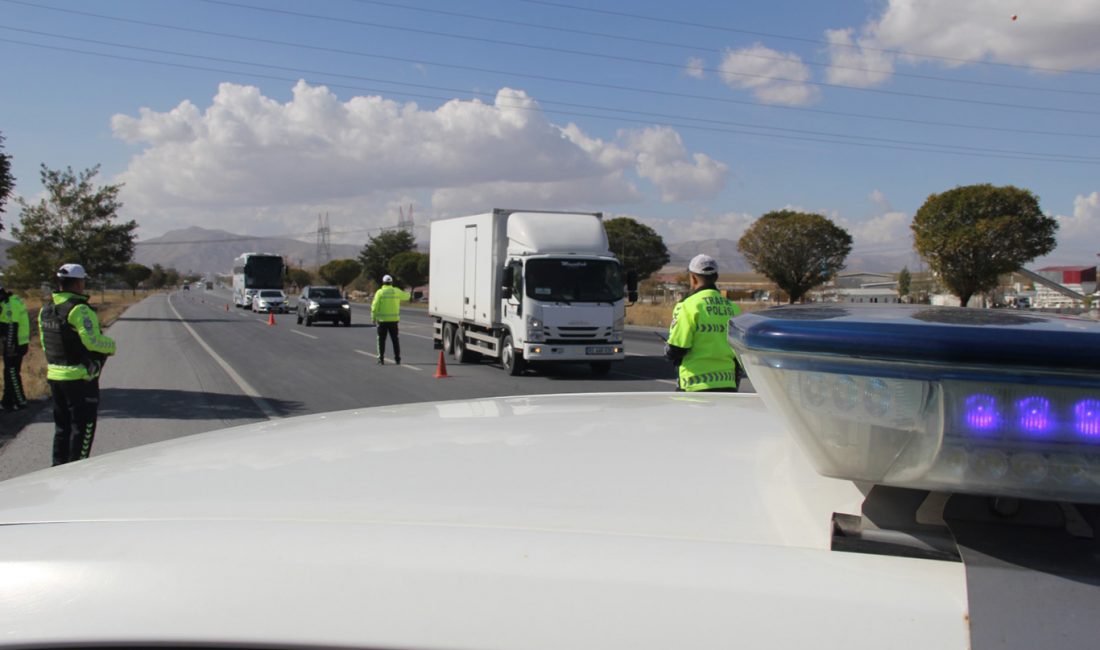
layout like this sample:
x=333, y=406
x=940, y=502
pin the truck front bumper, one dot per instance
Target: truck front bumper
x=574, y=352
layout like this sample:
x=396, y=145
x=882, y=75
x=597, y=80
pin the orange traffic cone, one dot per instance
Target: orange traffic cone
x=441, y=367
x=270, y=318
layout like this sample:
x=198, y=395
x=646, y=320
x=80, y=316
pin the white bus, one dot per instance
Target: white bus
x=255, y=271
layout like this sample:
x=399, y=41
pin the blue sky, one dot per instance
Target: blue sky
x=695, y=117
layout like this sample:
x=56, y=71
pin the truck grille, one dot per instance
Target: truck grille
x=577, y=334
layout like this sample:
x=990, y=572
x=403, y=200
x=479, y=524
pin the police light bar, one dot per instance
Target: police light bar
x=987, y=402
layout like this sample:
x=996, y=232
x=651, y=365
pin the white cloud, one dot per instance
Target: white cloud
x=695, y=68
x=730, y=225
x=249, y=160
x=1077, y=241
x=773, y=77
x=853, y=65
x=662, y=159
x=1059, y=35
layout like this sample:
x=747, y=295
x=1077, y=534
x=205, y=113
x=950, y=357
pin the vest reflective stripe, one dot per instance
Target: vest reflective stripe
x=701, y=325
x=70, y=336
x=386, y=306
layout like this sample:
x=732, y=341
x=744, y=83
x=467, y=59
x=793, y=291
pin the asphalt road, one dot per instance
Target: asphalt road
x=188, y=364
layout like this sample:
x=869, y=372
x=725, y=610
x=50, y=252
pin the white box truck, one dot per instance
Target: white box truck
x=527, y=286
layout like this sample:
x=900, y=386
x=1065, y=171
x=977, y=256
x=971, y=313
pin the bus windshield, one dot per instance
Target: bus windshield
x=568, y=280
x=263, y=272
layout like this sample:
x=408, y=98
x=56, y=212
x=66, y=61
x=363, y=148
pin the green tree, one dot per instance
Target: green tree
x=299, y=277
x=379, y=250
x=905, y=280
x=157, y=277
x=409, y=269
x=796, y=250
x=637, y=246
x=76, y=222
x=341, y=272
x=134, y=274
x=971, y=235
x=171, y=277
x=7, y=181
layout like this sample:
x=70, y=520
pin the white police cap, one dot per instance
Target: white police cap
x=703, y=265
x=71, y=271
x=387, y=279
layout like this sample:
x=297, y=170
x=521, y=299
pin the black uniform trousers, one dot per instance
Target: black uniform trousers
x=75, y=409
x=388, y=328
x=14, y=397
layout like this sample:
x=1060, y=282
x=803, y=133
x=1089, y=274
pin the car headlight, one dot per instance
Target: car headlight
x=346, y=306
x=312, y=306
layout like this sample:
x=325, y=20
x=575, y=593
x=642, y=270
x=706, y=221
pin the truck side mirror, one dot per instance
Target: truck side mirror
x=632, y=286
x=506, y=282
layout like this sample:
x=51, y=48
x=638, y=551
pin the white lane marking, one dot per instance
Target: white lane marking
x=308, y=336
x=245, y=387
x=369, y=354
x=404, y=365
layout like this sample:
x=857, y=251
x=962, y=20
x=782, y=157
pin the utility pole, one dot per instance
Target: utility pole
x=324, y=251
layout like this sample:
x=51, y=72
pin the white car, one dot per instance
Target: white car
x=269, y=300
x=648, y=520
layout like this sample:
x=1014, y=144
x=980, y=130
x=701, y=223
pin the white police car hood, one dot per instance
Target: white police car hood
x=640, y=520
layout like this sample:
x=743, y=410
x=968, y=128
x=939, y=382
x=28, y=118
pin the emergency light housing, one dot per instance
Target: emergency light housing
x=986, y=402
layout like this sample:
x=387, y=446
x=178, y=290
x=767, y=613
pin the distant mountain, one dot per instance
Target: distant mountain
x=200, y=250
x=731, y=261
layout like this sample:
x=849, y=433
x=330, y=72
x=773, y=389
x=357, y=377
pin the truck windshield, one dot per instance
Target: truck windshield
x=574, y=280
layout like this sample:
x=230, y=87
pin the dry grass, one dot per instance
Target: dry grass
x=109, y=306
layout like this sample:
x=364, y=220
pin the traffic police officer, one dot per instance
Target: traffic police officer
x=385, y=311
x=75, y=351
x=15, y=327
x=698, y=342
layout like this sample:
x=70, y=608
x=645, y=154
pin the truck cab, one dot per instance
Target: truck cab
x=534, y=287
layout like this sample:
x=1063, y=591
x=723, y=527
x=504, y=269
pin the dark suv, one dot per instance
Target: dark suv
x=323, y=303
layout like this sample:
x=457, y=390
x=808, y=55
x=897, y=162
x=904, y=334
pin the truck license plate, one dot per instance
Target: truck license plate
x=601, y=350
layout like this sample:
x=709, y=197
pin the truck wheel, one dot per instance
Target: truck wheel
x=511, y=361
x=601, y=368
x=449, y=339
x=463, y=355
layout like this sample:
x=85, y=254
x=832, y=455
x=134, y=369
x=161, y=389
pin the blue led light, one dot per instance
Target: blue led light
x=1033, y=414
x=876, y=397
x=1086, y=416
x=981, y=412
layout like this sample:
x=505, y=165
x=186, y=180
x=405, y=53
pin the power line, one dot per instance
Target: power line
x=817, y=137
x=701, y=48
x=1014, y=131
x=815, y=41
x=626, y=59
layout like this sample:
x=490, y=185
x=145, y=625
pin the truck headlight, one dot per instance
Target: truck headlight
x=535, y=331
x=617, y=329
